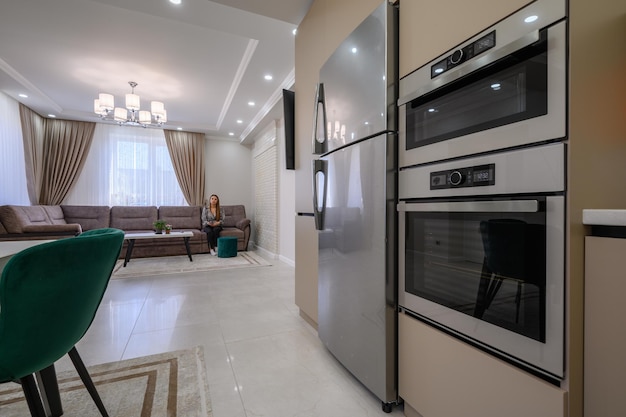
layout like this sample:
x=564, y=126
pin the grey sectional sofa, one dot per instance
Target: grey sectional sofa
x=55, y=222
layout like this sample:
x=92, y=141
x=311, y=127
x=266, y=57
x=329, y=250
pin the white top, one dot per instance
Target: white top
x=152, y=235
x=10, y=248
x=604, y=217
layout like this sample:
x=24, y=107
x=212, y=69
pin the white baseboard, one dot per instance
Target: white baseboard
x=271, y=255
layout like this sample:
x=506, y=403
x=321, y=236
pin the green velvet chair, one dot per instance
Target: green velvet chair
x=49, y=295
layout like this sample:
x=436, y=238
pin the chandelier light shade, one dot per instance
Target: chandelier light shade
x=104, y=106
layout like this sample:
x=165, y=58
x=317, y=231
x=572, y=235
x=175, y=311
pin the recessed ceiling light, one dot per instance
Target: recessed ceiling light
x=294, y=31
x=354, y=50
x=239, y=121
x=175, y=1
x=179, y=128
x=251, y=103
x=23, y=95
x=231, y=134
x=268, y=77
x=52, y=116
x=531, y=19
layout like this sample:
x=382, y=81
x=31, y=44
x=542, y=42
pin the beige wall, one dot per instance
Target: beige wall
x=229, y=173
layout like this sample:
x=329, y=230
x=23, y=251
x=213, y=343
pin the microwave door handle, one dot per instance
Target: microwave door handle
x=319, y=143
x=508, y=206
x=473, y=65
x=320, y=180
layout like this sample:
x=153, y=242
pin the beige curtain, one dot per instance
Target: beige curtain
x=32, y=137
x=187, y=153
x=65, y=148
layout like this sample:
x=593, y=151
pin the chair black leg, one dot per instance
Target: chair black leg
x=49, y=389
x=84, y=376
x=32, y=396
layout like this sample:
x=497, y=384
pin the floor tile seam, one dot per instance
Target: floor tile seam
x=232, y=369
x=141, y=310
x=260, y=337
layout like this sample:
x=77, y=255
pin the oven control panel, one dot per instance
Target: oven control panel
x=461, y=55
x=476, y=176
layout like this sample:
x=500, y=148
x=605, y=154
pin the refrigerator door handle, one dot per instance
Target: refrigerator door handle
x=320, y=182
x=320, y=133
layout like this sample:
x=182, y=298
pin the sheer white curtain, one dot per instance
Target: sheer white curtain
x=127, y=166
x=13, y=189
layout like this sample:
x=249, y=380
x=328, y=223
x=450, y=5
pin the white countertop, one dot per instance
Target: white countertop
x=604, y=217
x=11, y=247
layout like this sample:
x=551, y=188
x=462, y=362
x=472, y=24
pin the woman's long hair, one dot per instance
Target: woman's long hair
x=217, y=206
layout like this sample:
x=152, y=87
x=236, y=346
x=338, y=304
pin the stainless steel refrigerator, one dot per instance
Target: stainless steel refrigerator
x=354, y=187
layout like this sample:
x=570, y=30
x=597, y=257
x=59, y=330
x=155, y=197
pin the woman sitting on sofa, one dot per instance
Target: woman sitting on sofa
x=212, y=220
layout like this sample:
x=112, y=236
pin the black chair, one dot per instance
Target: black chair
x=49, y=295
x=514, y=250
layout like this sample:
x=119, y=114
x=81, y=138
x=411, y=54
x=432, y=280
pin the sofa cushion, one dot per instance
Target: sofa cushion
x=233, y=214
x=55, y=214
x=40, y=221
x=181, y=217
x=133, y=217
x=14, y=218
x=89, y=217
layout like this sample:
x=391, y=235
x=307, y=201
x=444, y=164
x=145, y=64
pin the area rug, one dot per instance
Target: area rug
x=180, y=264
x=172, y=384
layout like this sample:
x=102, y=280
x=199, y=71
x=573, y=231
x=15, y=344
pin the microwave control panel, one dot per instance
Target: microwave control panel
x=476, y=176
x=461, y=55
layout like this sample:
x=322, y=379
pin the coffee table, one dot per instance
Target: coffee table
x=131, y=237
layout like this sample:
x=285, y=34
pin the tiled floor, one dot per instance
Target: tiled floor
x=263, y=359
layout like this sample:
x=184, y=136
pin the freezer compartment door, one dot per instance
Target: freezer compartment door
x=356, y=83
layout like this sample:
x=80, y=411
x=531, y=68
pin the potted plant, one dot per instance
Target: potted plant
x=159, y=225
x=168, y=229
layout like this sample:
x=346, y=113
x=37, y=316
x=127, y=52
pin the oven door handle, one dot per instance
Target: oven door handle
x=508, y=206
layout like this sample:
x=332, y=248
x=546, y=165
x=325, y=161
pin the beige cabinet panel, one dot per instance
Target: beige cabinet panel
x=306, y=267
x=428, y=28
x=605, y=333
x=440, y=376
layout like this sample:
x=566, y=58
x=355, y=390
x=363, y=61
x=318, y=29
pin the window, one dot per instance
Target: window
x=127, y=166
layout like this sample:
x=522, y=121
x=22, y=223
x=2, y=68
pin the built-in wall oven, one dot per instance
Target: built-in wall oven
x=503, y=88
x=482, y=143
x=481, y=252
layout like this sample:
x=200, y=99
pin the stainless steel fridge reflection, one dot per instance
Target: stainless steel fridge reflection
x=354, y=187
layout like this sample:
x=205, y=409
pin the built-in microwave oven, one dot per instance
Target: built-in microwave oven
x=504, y=88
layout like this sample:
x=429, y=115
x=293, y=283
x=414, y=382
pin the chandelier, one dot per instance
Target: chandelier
x=131, y=115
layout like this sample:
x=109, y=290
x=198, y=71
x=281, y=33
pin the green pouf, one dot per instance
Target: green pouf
x=226, y=247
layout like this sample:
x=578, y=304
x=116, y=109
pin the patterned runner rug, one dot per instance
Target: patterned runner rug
x=180, y=264
x=172, y=384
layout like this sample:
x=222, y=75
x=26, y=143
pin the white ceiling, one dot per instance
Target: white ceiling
x=204, y=59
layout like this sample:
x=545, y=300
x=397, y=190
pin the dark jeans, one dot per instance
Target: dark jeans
x=212, y=233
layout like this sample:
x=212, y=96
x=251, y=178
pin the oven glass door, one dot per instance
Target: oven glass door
x=505, y=92
x=485, y=259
